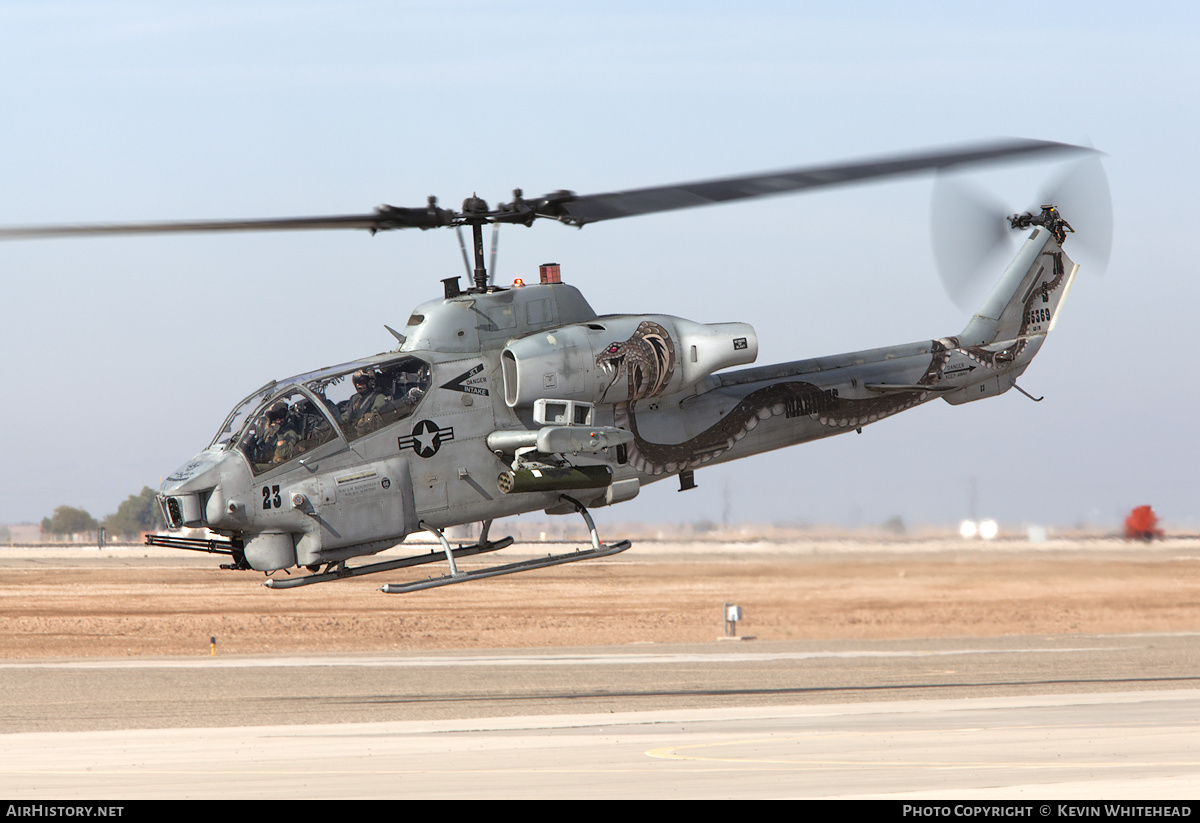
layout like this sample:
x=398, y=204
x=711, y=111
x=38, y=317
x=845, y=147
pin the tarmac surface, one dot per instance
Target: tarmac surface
x=1004, y=714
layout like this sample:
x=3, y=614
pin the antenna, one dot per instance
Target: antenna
x=495, y=243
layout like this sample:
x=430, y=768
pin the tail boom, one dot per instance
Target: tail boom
x=750, y=411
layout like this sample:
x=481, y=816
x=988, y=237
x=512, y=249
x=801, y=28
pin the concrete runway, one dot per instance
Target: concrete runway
x=1020, y=718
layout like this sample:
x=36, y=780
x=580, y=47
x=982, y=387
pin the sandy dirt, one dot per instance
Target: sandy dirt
x=137, y=601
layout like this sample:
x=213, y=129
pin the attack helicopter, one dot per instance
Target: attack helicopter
x=502, y=401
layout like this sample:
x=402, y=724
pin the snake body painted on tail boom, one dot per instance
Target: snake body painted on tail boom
x=758, y=409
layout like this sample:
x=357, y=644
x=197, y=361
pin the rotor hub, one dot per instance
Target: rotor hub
x=1050, y=217
x=474, y=205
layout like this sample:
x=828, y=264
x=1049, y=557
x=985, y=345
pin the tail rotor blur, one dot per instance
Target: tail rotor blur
x=1080, y=192
x=972, y=235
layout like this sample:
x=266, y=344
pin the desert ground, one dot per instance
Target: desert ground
x=138, y=601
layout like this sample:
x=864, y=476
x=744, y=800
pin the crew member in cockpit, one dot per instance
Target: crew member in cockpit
x=281, y=437
x=311, y=427
x=409, y=389
x=275, y=440
x=364, y=412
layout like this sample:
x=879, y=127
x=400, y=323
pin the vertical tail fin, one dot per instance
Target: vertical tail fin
x=1027, y=298
x=1002, y=338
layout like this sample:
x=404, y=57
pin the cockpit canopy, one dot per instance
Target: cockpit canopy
x=286, y=419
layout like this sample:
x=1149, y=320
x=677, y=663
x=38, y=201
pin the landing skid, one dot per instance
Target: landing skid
x=597, y=550
x=510, y=568
x=340, y=571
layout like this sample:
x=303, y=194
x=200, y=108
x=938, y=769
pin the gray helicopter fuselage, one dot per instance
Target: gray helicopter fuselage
x=509, y=401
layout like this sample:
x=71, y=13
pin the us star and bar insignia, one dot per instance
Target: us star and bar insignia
x=426, y=438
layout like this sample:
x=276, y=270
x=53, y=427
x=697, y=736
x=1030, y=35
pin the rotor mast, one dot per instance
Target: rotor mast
x=475, y=213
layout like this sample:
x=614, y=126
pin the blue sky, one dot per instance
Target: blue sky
x=120, y=357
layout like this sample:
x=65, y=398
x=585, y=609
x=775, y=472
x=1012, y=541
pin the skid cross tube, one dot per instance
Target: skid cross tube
x=510, y=568
x=341, y=571
x=597, y=550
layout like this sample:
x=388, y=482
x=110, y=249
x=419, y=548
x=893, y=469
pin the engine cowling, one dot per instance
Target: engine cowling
x=622, y=358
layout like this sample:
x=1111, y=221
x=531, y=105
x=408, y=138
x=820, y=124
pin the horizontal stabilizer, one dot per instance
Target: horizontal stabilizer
x=895, y=388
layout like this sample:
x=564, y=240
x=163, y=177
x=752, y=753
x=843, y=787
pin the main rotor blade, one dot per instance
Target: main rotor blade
x=594, y=207
x=578, y=210
x=387, y=217
x=32, y=232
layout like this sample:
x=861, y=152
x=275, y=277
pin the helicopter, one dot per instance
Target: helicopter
x=502, y=401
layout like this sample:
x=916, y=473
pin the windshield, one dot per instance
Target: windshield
x=290, y=425
x=367, y=399
x=285, y=420
x=237, y=418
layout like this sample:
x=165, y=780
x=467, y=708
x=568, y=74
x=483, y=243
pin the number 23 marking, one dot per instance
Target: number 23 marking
x=271, y=497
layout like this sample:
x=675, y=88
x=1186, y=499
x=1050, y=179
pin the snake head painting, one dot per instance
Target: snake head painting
x=646, y=360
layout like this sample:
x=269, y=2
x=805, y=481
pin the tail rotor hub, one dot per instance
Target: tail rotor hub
x=1050, y=217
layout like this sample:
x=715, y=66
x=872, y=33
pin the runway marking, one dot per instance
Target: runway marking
x=524, y=660
x=316, y=772
x=674, y=752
